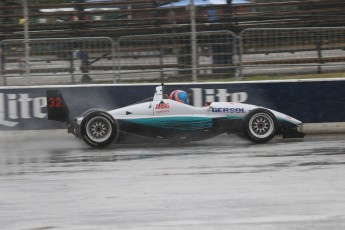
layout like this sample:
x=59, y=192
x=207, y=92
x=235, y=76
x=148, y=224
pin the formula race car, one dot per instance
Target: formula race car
x=162, y=118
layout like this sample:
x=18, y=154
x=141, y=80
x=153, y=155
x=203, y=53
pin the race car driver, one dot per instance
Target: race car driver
x=180, y=96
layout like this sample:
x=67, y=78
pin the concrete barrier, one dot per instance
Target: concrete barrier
x=318, y=103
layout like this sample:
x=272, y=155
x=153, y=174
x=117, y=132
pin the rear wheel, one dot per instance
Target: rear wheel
x=260, y=125
x=91, y=111
x=99, y=129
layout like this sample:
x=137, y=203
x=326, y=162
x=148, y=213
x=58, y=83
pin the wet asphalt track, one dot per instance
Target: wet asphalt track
x=56, y=182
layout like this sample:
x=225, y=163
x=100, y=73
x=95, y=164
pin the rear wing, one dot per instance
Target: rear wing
x=56, y=106
x=58, y=110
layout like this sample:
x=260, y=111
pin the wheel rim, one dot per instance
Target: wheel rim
x=98, y=129
x=261, y=125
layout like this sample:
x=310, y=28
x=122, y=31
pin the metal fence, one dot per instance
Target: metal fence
x=221, y=55
x=69, y=59
x=162, y=56
x=292, y=50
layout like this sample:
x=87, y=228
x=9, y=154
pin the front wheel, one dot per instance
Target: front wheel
x=260, y=125
x=99, y=129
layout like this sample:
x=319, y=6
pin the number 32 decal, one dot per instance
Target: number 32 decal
x=55, y=102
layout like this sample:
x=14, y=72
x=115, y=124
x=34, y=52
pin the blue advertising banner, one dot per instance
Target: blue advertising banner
x=308, y=101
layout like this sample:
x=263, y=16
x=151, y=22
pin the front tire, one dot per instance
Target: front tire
x=99, y=129
x=260, y=125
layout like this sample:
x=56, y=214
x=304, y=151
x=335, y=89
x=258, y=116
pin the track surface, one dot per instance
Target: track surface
x=50, y=180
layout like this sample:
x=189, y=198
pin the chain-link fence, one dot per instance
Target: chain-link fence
x=69, y=59
x=162, y=56
x=292, y=50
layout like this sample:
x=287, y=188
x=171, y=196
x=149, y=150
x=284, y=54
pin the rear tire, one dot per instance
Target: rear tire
x=99, y=129
x=91, y=111
x=260, y=125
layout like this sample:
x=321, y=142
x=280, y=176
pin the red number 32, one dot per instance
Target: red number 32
x=55, y=102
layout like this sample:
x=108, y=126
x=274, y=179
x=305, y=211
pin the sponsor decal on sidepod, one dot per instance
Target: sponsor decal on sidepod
x=228, y=110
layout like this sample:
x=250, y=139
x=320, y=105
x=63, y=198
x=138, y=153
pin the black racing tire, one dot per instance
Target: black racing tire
x=260, y=125
x=91, y=111
x=99, y=129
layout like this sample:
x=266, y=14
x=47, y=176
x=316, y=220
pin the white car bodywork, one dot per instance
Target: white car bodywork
x=154, y=108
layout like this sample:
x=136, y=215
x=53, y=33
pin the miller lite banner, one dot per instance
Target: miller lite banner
x=309, y=101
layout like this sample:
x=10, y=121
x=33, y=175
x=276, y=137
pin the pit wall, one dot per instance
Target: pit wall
x=320, y=104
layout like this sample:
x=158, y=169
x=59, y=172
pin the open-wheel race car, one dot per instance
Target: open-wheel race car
x=162, y=118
